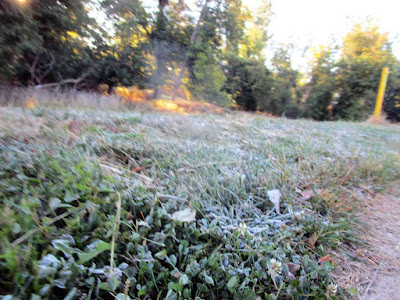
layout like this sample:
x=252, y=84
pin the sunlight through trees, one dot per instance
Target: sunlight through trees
x=212, y=51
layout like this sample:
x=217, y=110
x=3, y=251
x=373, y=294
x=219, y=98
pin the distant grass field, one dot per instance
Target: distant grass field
x=88, y=200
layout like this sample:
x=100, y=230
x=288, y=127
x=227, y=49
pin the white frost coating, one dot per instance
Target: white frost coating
x=186, y=215
x=275, y=197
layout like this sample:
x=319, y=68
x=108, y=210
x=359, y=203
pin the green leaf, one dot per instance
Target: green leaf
x=63, y=246
x=25, y=211
x=100, y=247
x=306, y=261
x=106, y=190
x=353, y=291
x=173, y=260
x=113, y=282
x=16, y=228
x=196, y=233
x=82, y=187
x=184, y=279
x=142, y=291
x=55, y=203
x=246, y=295
x=208, y=279
x=232, y=283
x=177, y=287
x=171, y=295
x=105, y=286
x=70, y=197
x=136, y=237
x=327, y=266
x=161, y=254
x=71, y=294
x=121, y=296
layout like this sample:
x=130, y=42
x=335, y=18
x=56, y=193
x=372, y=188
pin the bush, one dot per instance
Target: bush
x=78, y=222
x=77, y=208
x=249, y=83
x=392, y=105
x=318, y=101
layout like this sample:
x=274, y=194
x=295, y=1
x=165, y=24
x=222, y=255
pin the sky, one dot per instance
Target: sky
x=315, y=22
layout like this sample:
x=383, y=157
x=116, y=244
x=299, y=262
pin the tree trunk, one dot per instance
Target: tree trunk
x=178, y=81
x=159, y=51
x=157, y=92
x=110, y=89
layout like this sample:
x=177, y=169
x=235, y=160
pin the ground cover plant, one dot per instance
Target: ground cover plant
x=147, y=205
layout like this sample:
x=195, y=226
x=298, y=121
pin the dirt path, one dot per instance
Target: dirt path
x=385, y=240
x=375, y=270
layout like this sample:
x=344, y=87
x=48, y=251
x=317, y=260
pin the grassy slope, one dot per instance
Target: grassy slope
x=78, y=164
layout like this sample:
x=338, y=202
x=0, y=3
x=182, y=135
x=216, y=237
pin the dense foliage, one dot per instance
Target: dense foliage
x=392, y=105
x=212, y=51
x=44, y=41
x=347, y=88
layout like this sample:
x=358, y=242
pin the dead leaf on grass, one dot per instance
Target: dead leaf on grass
x=275, y=197
x=187, y=215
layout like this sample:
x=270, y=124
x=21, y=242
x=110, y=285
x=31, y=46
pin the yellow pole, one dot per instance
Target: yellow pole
x=381, y=93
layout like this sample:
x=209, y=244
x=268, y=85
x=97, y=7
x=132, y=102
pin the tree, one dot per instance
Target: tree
x=391, y=103
x=121, y=59
x=365, y=52
x=117, y=65
x=233, y=23
x=255, y=37
x=16, y=37
x=47, y=39
x=248, y=79
x=322, y=85
x=178, y=80
x=206, y=78
x=161, y=38
x=249, y=83
x=283, y=93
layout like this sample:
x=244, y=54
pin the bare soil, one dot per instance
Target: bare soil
x=374, y=270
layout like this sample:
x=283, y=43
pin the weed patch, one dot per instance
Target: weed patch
x=89, y=214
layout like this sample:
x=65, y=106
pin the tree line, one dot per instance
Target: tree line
x=210, y=49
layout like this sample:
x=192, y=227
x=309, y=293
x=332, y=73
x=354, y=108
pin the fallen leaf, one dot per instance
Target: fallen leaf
x=324, y=259
x=275, y=197
x=312, y=245
x=306, y=194
x=143, y=223
x=293, y=268
x=186, y=215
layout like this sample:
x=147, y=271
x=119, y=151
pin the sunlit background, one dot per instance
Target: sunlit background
x=314, y=22
x=280, y=39
x=308, y=23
